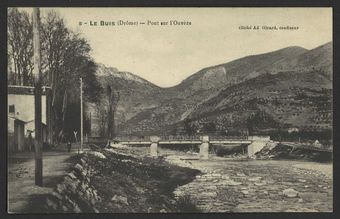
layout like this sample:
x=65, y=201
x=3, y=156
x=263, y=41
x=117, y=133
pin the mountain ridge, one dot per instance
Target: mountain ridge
x=146, y=106
x=295, y=50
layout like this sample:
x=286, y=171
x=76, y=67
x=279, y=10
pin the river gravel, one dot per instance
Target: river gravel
x=257, y=185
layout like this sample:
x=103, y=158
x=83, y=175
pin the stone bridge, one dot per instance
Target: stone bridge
x=254, y=143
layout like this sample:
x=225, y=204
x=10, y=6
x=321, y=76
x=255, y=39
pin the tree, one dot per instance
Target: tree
x=250, y=123
x=20, y=47
x=113, y=98
x=106, y=108
x=190, y=127
x=54, y=38
x=101, y=113
x=209, y=127
x=65, y=58
x=76, y=63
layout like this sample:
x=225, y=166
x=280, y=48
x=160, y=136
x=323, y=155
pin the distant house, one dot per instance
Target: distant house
x=21, y=116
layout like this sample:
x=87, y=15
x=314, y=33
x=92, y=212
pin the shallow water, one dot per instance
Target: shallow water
x=257, y=185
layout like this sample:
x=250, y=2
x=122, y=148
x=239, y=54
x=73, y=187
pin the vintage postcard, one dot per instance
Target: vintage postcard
x=170, y=110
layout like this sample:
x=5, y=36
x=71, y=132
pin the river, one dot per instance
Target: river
x=231, y=185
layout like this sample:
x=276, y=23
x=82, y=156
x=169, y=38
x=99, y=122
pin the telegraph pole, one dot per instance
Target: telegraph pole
x=81, y=114
x=37, y=98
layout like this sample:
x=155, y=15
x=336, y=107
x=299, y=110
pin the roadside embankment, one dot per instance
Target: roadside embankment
x=108, y=181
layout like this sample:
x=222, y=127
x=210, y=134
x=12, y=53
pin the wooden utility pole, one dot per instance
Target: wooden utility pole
x=49, y=121
x=81, y=114
x=90, y=126
x=37, y=98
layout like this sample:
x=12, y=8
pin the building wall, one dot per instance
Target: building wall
x=24, y=106
x=24, y=111
x=10, y=125
x=19, y=135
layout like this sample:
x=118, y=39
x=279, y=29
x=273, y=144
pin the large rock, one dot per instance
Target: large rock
x=233, y=183
x=302, y=180
x=245, y=192
x=290, y=193
x=98, y=154
x=120, y=199
x=260, y=183
x=255, y=179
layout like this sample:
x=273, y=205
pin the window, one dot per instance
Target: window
x=11, y=109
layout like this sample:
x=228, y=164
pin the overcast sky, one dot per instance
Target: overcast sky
x=166, y=55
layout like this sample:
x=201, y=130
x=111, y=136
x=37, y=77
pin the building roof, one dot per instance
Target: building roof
x=23, y=121
x=24, y=90
x=16, y=119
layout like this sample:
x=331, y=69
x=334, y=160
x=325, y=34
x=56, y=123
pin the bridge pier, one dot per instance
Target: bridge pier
x=257, y=144
x=204, y=147
x=154, y=146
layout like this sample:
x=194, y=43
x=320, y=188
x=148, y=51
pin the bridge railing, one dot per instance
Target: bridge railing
x=221, y=138
x=133, y=138
x=180, y=138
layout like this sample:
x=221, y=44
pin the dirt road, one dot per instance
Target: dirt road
x=21, y=187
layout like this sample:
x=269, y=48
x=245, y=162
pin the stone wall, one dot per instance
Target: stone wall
x=113, y=181
x=75, y=193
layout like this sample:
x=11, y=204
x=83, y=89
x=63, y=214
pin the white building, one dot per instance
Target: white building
x=20, y=108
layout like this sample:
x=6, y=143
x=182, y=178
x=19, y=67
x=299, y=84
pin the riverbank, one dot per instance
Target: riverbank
x=110, y=181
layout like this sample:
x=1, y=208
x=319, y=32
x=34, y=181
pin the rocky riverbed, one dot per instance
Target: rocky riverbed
x=230, y=185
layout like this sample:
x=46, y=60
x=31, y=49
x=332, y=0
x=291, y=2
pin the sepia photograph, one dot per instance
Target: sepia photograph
x=169, y=110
